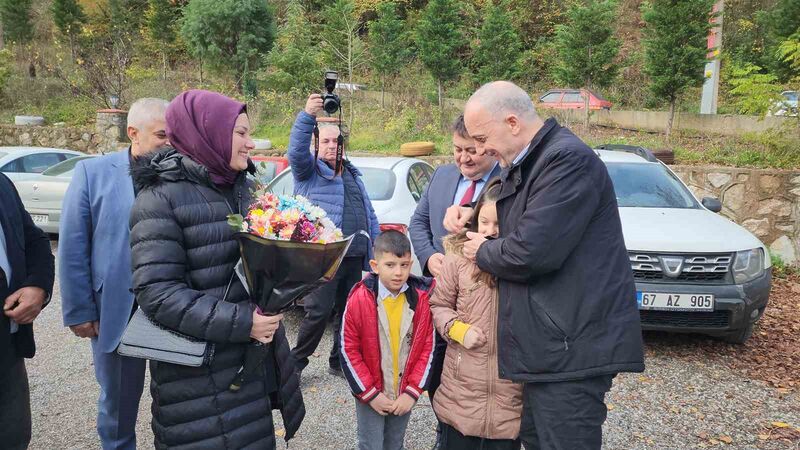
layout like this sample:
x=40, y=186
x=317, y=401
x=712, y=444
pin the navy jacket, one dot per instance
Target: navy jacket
x=567, y=297
x=427, y=224
x=32, y=265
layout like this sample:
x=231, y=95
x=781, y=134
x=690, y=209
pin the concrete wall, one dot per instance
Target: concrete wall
x=730, y=125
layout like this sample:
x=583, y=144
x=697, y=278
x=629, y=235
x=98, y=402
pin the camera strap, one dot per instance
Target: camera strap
x=337, y=166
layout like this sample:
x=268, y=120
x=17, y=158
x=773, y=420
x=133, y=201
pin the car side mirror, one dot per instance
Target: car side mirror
x=712, y=204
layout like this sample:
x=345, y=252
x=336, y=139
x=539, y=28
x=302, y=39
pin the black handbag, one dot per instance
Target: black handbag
x=146, y=339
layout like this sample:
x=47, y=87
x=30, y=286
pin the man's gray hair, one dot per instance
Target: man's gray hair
x=146, y=110
x=322, y=125
x=504, y=97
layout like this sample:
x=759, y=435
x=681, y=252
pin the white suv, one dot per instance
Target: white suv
x=695, y=270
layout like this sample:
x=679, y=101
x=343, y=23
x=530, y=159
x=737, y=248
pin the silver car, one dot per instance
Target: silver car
x=43, y=193
x=22, y=163
x=394, y=185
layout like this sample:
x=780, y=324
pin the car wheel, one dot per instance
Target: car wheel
x=740, y=336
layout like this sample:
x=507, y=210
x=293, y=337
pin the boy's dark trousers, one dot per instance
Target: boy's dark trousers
x=564, y=415
x=319, y=305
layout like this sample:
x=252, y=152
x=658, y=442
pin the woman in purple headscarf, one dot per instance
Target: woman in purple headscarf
x=183, y=258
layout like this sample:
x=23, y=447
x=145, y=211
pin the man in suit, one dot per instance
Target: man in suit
x=26, y=282
x=458, y=183
x=95, y=269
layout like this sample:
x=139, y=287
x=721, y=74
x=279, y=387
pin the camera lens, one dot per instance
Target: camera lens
x=330, y=103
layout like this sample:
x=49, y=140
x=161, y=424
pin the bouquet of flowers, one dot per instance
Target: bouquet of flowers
x=289, y=247
x=288, y=218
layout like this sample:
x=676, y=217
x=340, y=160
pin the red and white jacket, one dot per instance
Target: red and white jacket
x=361, y=341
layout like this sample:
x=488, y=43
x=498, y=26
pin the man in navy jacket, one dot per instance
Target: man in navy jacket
x=26, y=282
x=568, y=318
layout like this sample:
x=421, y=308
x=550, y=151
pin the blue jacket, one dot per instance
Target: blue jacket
x=94, y=260
x=328, y=194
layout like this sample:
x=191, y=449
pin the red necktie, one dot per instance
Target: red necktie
x=467, y=198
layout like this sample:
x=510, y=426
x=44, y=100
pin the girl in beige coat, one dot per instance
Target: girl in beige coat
x=476, y=407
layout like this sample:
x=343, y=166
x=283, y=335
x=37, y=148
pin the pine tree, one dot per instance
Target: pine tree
x=675, y=48
x=295, y=61
x=439, y=40
x=587, y=47
x=232, y=36
x=69, y=17
x=497, y=51
x=162, y=27
x=388, y=43
x=16, y=17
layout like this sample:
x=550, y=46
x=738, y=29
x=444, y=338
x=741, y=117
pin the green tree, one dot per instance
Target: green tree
x=232, y=36
x=343, y=46
x=295, y=61
x=69, y=17
x=755, y=92
x=587, y=47
x=388, y=43
x=162, y=27
x=18, y=27
x=16, y=17
x=675, y=48
x=439, y=41
x=779, y=23
x=496, y=52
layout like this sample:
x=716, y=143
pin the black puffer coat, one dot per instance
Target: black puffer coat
x=183, y=257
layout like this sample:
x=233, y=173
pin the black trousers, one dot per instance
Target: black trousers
x=568, y=415
x=15, y=407
x=330, y=298
x=452, y=439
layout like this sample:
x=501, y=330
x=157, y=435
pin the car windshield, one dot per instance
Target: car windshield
x=65, y=168
x=378, y=182
x=648, y=186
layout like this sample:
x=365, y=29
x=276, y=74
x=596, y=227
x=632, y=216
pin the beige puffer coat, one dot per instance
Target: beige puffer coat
x=472, y=398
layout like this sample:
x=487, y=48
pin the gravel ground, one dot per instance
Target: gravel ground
x=677, y=403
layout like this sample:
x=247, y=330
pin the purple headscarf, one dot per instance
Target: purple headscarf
x=200, y=125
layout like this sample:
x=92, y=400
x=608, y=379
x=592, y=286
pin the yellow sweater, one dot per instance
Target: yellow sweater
x=394, y=312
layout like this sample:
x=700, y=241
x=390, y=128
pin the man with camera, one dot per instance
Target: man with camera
x=322, y=175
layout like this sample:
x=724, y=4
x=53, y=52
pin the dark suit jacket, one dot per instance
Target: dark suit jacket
x=426, y=226
x=32, y=264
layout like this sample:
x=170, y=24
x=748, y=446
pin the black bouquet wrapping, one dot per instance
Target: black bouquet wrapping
x=278, y=273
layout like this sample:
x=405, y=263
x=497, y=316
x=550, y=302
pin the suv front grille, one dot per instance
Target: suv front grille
x=692, y=268
x=686, y=319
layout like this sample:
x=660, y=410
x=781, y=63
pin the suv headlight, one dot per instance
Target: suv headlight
x=748, y=265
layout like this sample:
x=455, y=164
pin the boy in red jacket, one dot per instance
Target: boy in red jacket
x=387, y=343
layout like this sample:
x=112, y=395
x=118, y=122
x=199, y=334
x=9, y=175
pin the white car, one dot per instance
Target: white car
x=22, y=163
x=43, y=194
x=695, y=270
x=394, y=186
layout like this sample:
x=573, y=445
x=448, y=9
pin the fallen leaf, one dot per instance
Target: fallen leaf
x=713, y=441
x=726, y=439
x=610, y=406
x=340, y=401
x=703, y=435
x=780, y=424
x=313, y=389
x=315, y=355
x=763, y=437
x=280, y=433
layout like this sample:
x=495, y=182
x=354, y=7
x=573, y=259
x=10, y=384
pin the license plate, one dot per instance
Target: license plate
x=40, y=219
x=675, y=302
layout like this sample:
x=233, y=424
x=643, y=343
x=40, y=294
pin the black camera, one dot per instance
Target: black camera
x=330, y=101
